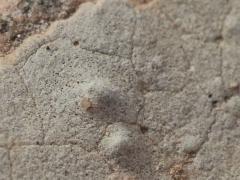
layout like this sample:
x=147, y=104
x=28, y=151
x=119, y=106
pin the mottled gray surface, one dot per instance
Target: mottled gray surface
x=121, y=91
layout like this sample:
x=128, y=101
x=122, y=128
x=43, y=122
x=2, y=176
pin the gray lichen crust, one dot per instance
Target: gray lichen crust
x=119, y=91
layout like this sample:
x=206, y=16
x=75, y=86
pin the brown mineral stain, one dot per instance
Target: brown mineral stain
x=86, y=104
x=138, y=2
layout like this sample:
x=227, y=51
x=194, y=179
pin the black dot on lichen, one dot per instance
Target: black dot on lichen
x=66, y=172
x=210, y=96
x=143, y=129
x=75, y=43
x=214, y=103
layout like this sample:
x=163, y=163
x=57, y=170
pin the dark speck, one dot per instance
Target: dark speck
x=143, y=129
x=75, y=43
x=210, y=96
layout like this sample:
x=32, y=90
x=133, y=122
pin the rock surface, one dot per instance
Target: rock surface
x=125, y=90
x=22, y=18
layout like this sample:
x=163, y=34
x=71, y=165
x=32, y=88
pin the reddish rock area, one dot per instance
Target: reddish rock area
x=21, y=18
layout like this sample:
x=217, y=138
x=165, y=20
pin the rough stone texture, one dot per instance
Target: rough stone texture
x=5, y=169
x=57, y=162
x=126, y=90
x=19, y=118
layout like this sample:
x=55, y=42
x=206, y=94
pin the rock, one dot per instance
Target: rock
x=233, y=106
x=121, y=176
x=119, y=140
x=27, y=17
x=5, y=164
x=57, y=162
x=120, y=90
x=107, y=101
x=191, y=144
